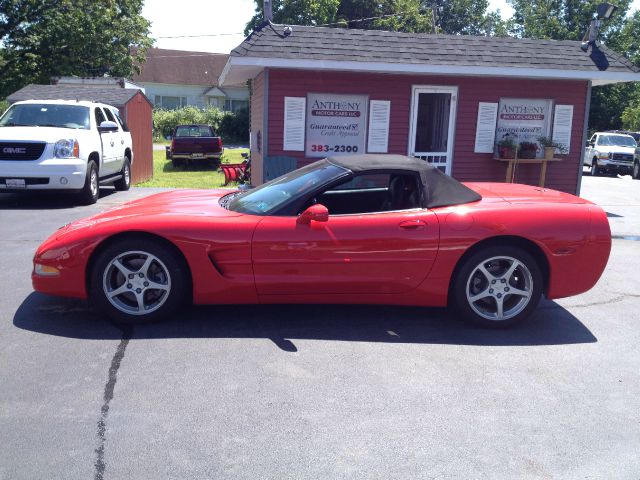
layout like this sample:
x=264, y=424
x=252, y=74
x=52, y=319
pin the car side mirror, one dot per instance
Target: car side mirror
x=317, y=212
x=108, y=126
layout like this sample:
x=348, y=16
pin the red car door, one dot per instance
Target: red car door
x=389, y=252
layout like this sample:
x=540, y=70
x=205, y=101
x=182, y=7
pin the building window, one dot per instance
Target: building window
x=170, y=103
x=235, y=105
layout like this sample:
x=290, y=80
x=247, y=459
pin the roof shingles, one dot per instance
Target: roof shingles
x=111, y=95
x=339, y=44
x=178, y=67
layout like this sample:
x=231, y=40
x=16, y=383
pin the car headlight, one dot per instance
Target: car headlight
x=66, y=148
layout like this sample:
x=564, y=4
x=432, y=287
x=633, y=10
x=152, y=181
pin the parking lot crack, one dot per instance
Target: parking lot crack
x=109, y=390
x=617, y=299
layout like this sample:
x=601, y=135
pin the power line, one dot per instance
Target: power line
x=360, y=19
x=321, y=25
x=203, y=35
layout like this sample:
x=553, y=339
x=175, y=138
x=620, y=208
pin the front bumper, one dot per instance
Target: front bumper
x=44, y=174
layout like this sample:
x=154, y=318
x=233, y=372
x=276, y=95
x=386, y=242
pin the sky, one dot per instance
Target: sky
x=217, y=25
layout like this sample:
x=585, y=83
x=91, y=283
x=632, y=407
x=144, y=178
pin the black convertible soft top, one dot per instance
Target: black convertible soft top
x=440, y=189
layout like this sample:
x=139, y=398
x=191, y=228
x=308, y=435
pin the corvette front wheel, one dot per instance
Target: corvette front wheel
x=497, y=286
x=135, y=281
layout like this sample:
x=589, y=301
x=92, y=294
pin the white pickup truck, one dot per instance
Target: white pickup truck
x=610, y=153
x=64, y=145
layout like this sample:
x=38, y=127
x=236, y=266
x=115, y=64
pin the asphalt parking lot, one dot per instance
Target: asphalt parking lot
x=322, y=392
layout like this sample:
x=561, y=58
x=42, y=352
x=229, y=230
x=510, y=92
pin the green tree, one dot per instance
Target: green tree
x=569, y=20
x=447, y=16
x=561, y=19
x=45, y=38
x=617, y=106
x=296, y=12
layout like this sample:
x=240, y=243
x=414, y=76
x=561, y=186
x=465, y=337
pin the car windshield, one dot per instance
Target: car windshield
x=272, y=195
x=194, y=131
x=46, y=115
x=617, y=141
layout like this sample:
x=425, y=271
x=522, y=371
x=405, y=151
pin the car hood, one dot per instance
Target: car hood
x=518, y=193
x=172, y=206
x=41, y=134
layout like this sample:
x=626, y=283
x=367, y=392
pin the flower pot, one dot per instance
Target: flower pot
x=527, y=154
x=549, y=152
x=508, y=153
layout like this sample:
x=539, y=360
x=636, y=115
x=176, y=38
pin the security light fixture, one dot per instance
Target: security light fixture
x=603, y=12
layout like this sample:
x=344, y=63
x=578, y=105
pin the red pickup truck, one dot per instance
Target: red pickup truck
x=194, y=142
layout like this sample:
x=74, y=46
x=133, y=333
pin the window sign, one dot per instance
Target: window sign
x=524, y=120
x=336, y=124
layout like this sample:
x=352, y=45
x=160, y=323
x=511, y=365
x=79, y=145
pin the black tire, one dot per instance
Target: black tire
x=135, y=266
x=91, y=190
x=491, y=291
x=177, y=162
x=636, y=170
x=595, y=169
x=124, y=183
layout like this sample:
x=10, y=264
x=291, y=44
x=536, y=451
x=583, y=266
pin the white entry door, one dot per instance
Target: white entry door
x=433, y=120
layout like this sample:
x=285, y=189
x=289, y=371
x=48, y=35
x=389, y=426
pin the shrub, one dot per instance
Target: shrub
x=232, y=127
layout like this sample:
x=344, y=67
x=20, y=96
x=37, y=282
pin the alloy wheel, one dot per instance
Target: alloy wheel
x=499, y=288
x=136, y=283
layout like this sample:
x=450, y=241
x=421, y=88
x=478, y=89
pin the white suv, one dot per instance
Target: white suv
x=610, y=152
x=64, y=145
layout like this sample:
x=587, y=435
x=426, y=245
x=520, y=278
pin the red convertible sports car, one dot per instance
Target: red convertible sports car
x=365, y=229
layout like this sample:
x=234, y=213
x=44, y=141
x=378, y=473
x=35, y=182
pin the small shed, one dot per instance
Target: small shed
x=447, y=99
x=135, y=108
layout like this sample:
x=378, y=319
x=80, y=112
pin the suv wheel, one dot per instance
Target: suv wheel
x=595, y=170
x=124, y=183
x=91, y=190
x=636, y=170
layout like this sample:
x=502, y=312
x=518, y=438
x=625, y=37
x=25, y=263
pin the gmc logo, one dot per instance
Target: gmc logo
x=14, y=150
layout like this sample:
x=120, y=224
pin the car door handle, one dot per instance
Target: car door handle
x=121, y=142
x=413, y=225
x=111, y=143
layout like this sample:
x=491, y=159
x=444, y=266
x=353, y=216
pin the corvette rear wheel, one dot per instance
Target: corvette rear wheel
x=138, y=281
x=497, y=286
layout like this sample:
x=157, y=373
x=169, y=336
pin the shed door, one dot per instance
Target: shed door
x=433, y=120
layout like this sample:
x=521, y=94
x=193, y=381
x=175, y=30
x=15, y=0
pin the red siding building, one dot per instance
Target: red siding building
x=447, y=99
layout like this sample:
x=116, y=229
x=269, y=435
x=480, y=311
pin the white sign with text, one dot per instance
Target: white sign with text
x=336, y=124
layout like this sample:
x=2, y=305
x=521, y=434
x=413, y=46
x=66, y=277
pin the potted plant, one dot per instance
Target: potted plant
x=507, y=148
x=549, y=147
x=528, y=150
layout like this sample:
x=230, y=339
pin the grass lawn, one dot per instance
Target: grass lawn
x=194, y=176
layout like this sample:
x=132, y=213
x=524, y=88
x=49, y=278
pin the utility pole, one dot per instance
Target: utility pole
x=268, y=10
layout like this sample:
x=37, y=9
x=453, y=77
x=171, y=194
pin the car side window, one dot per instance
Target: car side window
x=122, y=123
x=371, y=193
x=99, y=116
x=110, y=116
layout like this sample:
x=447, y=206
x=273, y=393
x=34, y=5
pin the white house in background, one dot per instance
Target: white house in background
x=177, y=78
